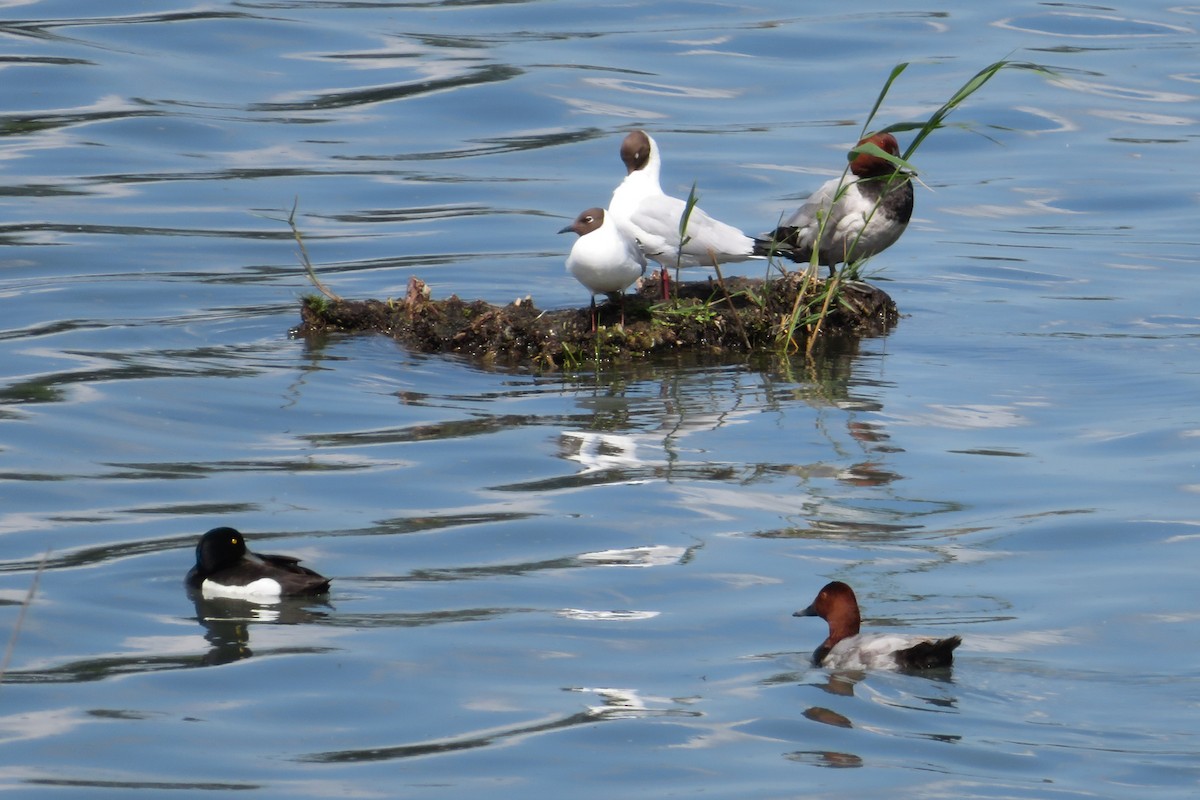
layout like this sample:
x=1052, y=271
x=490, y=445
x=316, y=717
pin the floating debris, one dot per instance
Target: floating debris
x=747, y=316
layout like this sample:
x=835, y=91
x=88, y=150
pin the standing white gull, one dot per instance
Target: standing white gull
x=603, y=258
x=644, y=212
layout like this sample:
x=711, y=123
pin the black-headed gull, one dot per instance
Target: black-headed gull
x=867, y=217
x=643, y=211
x=603, y=258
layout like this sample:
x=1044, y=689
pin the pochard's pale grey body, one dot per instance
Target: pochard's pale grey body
x=846, y=648
x=865, y=218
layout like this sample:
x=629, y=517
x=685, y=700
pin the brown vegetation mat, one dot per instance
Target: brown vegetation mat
x=699, y=320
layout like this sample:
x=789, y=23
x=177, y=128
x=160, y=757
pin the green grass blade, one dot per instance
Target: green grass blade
x=969, y=88
x=896, y=72
x=876, y=150
x=692, y=199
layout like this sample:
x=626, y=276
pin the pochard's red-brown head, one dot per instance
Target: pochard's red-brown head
x=837, y=605
x=866, y=165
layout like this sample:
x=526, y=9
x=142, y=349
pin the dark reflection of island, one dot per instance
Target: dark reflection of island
x=650, y=424
x=227, y=622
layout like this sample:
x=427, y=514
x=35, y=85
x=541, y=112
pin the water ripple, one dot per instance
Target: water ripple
x=1079, y=25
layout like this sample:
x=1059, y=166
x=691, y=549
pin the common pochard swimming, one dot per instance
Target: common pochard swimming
x=846, y=648
x=868, y=217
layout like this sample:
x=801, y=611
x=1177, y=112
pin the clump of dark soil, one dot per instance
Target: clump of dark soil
x=698, y=319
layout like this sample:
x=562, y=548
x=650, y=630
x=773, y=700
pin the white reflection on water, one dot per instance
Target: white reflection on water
x=965, y=417
x=627, y=703
x=1122, y=92
x=1019, y=641
x=40, y=724
x=589, y=615
x=601, y=451
x=1143, y=118
x=1040, y=205
x=649, y=556
x=661, y=89
x=1070, y=21
x=584, y=106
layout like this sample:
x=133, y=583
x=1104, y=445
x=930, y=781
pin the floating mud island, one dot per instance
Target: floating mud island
x=786, y=311
x=790, y=312
x=737, y=315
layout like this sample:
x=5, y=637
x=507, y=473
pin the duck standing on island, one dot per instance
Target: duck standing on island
x=867, y=217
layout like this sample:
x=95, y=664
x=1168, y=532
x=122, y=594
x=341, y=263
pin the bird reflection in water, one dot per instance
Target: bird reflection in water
x=227, y=622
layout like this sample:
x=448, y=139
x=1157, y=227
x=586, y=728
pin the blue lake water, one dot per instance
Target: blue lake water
x=581, y=584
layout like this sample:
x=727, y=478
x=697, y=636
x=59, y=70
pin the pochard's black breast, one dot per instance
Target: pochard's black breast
x=895, y=199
